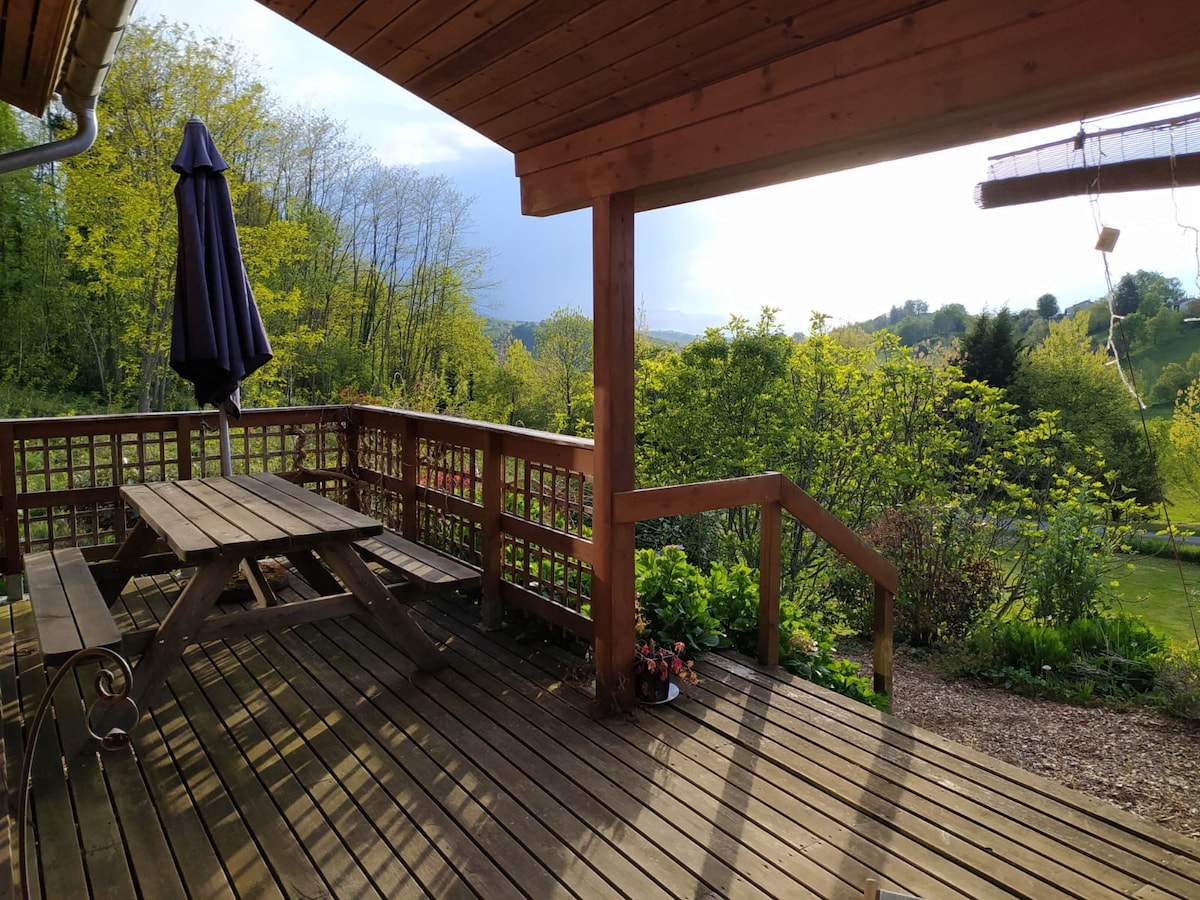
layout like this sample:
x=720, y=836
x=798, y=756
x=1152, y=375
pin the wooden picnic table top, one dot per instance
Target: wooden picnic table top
x=253, y=515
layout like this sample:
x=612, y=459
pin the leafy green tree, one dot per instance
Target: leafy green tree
x=988, y=352
x=1174, y=378
x=120, y=213
x=950, y=319
x=1047, y=306
x=564, y=355
x=37, y=342
x=1067, y=376
x=1182, y=456
x=1157, y=290
x=1164, y=326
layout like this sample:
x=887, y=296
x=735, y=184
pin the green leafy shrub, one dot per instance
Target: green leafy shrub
x=673, y=600
x=948, y=579
x=1113, y=656
x=1067, y=566
x=1178, y=680
x=677, y=602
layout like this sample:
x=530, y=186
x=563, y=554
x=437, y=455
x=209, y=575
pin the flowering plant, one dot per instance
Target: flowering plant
x=657, y=662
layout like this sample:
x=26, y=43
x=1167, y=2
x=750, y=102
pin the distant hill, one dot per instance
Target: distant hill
x=502, y=332
x=672, y=338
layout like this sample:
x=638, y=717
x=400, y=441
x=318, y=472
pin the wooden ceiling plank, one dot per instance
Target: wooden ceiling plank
x=404, y=33
x=18, y=43
x=650, y=31
x=322, y=18
x=520, y=29
x=460, y=31
x=596, y=24
x=928, y=30
x=292, y=10
x=367, y=19
x=1077, y=59
x=720, y=51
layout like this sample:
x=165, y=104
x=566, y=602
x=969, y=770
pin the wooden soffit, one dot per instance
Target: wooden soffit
x=679, y=100
x=33, y=47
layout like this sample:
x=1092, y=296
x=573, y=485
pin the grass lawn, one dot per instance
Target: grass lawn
x=1162, y=600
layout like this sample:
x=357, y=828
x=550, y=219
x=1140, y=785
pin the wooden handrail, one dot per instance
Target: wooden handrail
x=773, y=491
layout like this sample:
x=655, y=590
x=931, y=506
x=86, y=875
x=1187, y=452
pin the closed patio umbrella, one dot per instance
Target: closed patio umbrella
x=217, y=338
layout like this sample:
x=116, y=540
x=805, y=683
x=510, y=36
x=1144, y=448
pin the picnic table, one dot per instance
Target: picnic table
x=223, y=523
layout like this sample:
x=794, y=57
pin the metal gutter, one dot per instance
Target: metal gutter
x=102, y=23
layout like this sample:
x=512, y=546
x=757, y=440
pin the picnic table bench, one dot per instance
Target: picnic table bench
x=425, y=567
x=68, y=608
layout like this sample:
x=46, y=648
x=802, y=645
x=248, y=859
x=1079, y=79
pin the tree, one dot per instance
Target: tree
x=564, y=353
x=989, y=350
x=950, y=319
x=1066, y=376
x=1127, y=296
x=1174, y=379
x=120, y=213
x=1183, y=453
x=1158, y=290
x=1164, y=326
x=1047, y=306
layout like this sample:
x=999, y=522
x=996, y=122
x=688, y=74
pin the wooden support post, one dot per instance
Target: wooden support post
x=353, y=494
x=493, y=542
x=770, y=529
x=183, y=446
x=408, y=479
x=884, y=607
x=10, y=535
x=613, y=323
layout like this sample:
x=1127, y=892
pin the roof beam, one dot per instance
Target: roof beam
x=954, y=73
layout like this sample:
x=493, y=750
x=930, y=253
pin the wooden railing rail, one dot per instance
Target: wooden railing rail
x=521, y=498
x=773, y=493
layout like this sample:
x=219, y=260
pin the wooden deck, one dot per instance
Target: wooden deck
x=304, y=765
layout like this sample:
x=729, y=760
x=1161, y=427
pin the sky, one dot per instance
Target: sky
x=850, y=245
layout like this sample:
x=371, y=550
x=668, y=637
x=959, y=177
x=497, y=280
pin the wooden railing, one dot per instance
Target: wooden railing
x=515, y=503
x=773, y=493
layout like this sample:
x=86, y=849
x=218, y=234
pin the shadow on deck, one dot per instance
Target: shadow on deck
x=303, y=764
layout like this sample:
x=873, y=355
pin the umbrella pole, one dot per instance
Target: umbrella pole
x=226, y=449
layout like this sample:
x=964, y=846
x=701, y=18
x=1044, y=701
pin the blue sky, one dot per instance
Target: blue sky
x=850, y=245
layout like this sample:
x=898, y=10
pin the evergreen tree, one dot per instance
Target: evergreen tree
x=988, y=351
x=1127, y=297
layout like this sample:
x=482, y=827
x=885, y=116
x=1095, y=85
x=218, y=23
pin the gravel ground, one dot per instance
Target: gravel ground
x=1138, y=759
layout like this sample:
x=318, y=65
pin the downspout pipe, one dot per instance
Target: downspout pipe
x=102, y=23
x=82, y=139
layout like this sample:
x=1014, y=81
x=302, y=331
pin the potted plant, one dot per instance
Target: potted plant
x=657, y=668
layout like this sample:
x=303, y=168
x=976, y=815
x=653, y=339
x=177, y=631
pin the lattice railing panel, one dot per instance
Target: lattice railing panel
x=79, y=474
x=380, y=451
x=556, y=576
x=552, y=496
x=450, y=471
x=557, y=498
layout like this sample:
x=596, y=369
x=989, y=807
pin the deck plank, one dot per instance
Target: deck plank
x=795, y=840
x=548, y=802
x=306, y=762
x=1045, y=820
x=741, y=778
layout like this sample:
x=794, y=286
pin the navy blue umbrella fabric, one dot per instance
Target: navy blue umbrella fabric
x=218, y=337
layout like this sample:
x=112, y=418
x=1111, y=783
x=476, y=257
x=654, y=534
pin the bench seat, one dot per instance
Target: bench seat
x=68, y=607
x=429, y=569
